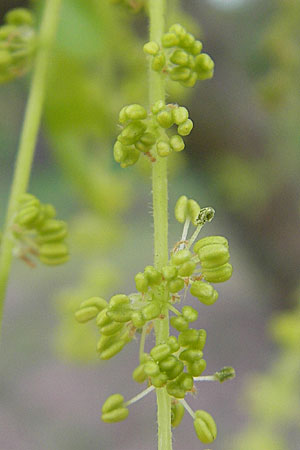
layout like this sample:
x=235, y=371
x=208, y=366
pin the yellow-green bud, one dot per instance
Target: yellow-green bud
x=160, y=351
x=179, y=57
x=85, y=314
x=185, y=128
x=169, y=272
x=177, y=143
x=181, y=209
x=193, y=211
x=196, y=368
x=180, y=115
x=218, y=274
x=151, y=368
x=158, y=62
x=151, y=48
x=139, y=374
x=187, y=269
x=163, y=148
x=205, y=427
x=132, y=133
x=209, y=240
x=181, y=257
x=151, y=311
x=141, y=282
x=169, y=40
x=204, y=292
x=179, y=323
x=135, y=112
x=177, y=413
x=179, y=73
x=19, y=16
x=214, y=255
x=175, y=285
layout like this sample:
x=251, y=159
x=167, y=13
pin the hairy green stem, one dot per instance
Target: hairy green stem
x=28, y=138
x=160, y=214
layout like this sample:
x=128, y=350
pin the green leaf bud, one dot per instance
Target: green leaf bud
x=188, y=338
x=139, y=374
x=151, y=48
x=179, y=323
x=185, y=128
x=227, y=373
x=175, y=285
x=196, y=368
x=175, y=390
x=181, y=209
x=152, y=275
x=205, y=427
x=158, y=106
x=169, y=40
x=136, y=112
x=138, y=319
x=117, y=415
x=189, y=313
x=179, y=57
x=180, y=73
x=186, y=381
x=160, y=352
x=98, y=302
x=151, y=368
x=196, y=48
x=151, y=311
x=177, y=143
x=175, y=371
x=193, y=211
x=177, y=413
x=205, y=293
x=132, y=133
x=125, y=155
x=214, y=255
x=218, y=274
x=119, y=300
x=19, y=16
x=158, y=62
x=209, y=240
x=141, y=282
x=102, y=318
x=168, y=363
x=159, y=381
x=187, y=269
x=181, y=257
x=169, y=272
x=180, y=115
x=190, y=355
x=111, y=328
x=163, y=148
x=85, y=314
x=173, y=343
x=178, y=29
x=165, y=119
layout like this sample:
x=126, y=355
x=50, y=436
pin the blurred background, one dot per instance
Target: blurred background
x=242, y=158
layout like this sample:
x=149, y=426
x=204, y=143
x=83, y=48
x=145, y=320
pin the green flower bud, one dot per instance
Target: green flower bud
x=148, y=139
x=104, y=342
x=180, y=73
x=186, y=381
x=158, y=106
x=204, y=66
x=169, y=272
x=218, y=274
x=136, y=112
x=159, y=381
x=117, y=415
x=185, y=128
x=187, y=269
x=191, y=80
x=169, y=40
x=181, y=209
x=53, y=260
x=188, y=41
x=18, y=17
x=151, y=48
x=188, y=338
x=132, y=132
x=177, y=413
x=193, y=211
x=163, y=148
x=115, y=347
x=168, y=363
x=98, y=302
x=27, y=216
x=151, y=368
x=178, y=29
x=53, y=250
x=214, y=255
x=205, y=427
x=160, y=352
x=196, y=368
x=152, y=275
x=200, y=343
x=114, y=401
x=58, y=232
x=102, y=318
x=177, y=143
x=173, y=372
x=139, y=374
x=158, y=62
x=175, y=285
x=122, y=115
x=175, y=390
x=197, y=48
x=141, y=282
x=180, y=115
x=204, y=292
x=165, y=119
x=179, y=323
x=209, y=240
x=111, y=328
x=151, y=311
x=227, y=373
x=119, y=300
x=173, y=343
x=179, y=57
x=181, y=257
x=138, y=319
x=125, y=155
x=190, y=355
x=189, y=313
x=120, y=314
x=85, y=314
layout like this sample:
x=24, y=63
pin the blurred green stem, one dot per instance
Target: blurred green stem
x=160, y=214
x=28, y=138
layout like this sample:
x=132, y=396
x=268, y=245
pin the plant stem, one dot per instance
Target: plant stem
x=28, y=138
x=160, y=214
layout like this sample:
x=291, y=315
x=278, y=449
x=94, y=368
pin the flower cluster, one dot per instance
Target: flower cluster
x=17, y=44
x=145, y=133
x=178, y=362
x=179, y=56
x=38, y=233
